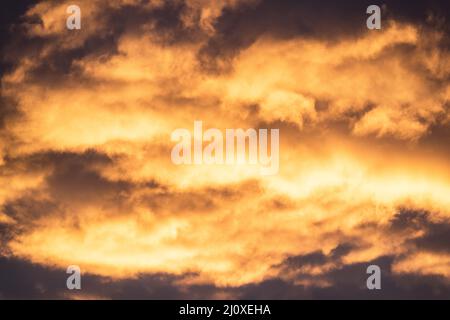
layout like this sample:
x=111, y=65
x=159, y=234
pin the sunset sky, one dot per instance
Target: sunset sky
x=86, y=176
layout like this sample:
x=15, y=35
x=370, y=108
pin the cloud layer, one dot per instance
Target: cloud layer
x=86, y=176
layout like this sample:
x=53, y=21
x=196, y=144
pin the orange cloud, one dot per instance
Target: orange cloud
x=352, y=115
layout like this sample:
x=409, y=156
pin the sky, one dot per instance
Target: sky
x=86, y=176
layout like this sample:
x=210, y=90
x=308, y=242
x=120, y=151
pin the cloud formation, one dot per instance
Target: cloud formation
x=86, y=176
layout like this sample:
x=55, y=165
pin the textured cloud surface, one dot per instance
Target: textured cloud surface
x=86, y=175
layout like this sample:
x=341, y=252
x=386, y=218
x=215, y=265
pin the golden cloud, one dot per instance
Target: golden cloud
x=353, y=115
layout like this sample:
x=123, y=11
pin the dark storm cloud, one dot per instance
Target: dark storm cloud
x=407, y=219
x=69, y=182
x=435, y=237
x=203, y=200
x=10, y=14
x=349, y=282
x=23, y=280
x=75, y=178
x=72, y=179
x=155, y=287
x=28, y=208
x=327, y=20
x=166, y=25
x=37, y=162
x=317, y=258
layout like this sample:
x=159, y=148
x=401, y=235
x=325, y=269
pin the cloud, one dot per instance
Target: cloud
x=85, y=170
